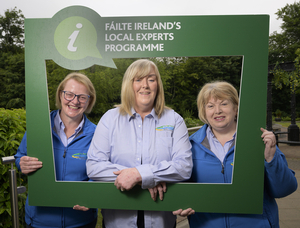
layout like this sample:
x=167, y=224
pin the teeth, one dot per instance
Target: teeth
x=72, y=107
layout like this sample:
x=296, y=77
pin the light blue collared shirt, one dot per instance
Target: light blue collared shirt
x=60, y=130
x=158, y=147
x=216, y=147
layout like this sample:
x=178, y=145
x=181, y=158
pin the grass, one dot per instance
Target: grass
x=99, y=221
x=287, y=123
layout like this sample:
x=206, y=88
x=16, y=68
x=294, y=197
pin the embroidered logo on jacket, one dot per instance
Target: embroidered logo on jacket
x=80, y=156
x=165, y=128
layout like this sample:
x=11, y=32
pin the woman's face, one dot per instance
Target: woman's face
x=221, y=115
x=145, y=90
x=73, y=109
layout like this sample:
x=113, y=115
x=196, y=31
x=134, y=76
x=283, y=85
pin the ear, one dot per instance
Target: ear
x=236, y=113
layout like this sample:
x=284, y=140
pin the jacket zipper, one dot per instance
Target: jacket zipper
x=222, y=171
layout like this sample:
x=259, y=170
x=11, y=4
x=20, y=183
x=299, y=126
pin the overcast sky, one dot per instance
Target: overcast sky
x=116, y=8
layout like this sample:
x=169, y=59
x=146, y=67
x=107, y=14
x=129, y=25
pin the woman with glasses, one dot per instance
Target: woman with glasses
x=72, y=133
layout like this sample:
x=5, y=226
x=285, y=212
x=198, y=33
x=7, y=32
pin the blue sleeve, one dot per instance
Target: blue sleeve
x=22, y=151
x=280, y=180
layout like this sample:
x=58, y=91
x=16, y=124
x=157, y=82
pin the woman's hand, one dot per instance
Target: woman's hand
x=185, y=212
x=127, y=178
x=270, y=144
x=29, y=164
x=161, y=188
x=80, y=208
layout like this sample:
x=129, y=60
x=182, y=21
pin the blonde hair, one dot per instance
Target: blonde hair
x=139, y=69
x=83, y=79
x=217, y=90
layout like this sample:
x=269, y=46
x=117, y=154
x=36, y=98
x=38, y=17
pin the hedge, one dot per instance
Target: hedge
x=12, y=129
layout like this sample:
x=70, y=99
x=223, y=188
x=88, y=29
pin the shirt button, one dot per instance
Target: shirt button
x=139, y=125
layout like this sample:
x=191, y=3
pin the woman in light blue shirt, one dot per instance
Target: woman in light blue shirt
x=141, y=141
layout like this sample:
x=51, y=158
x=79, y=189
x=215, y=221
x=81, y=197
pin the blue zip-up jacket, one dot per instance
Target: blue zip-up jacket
x=70, y=166
x=279, y=182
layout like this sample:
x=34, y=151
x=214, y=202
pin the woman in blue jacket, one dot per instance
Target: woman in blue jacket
x=213, y=150
x=72, y=133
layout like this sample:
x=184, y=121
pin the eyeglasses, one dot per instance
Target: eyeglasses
x=69, y=96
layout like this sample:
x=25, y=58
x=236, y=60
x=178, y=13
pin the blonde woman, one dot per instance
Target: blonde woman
x=213, y=160
x=72, y=133
x=140, y=142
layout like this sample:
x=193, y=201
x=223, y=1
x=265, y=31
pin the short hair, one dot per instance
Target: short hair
x=83, y=79
x=217, y=90
x=139, y=69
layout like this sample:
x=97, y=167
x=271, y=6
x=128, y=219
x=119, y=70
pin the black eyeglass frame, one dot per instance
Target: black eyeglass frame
x=75, y=95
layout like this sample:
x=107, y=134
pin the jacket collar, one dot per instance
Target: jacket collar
x=85, y=127
x=199, y=135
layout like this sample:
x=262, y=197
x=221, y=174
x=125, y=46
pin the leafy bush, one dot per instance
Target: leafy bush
x=187, y=114
x=278, y=113
x=12, y=129
x=284, y=114
x=189, y=122
x=286, y=118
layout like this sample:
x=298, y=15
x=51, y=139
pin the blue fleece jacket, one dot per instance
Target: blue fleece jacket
x=280, y=181
x=70, y=166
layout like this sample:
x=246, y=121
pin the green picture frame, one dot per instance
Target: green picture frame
x=159, y=36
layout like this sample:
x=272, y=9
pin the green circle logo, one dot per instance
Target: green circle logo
x=75, y=38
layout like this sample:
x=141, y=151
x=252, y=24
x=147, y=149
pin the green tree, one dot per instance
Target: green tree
x=12, y=31
x=282, y=46
x=186, y=76
x=12, y=65
x=291, y=80
x=12, y=74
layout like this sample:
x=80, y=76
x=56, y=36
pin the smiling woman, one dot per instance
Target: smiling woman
x=218, y=107
x=213, y=148
x=72, y=133
x=145, y=89
x=140, y=142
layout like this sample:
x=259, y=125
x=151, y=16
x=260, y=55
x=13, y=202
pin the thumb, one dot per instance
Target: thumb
x=117, y=172
x=263, y=130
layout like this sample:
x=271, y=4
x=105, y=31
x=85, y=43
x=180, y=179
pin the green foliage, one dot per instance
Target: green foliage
x=12, y=129
x=12, y=31
x=12, y=74
x=287, y=118
x=278, y=113
x=291, y=79
x=191, y=122
x=12, y=66
x=282, y=46
x=187, y=114
x=184, y=77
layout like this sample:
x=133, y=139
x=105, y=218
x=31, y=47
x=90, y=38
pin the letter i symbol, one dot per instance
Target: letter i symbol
x=73, y=38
